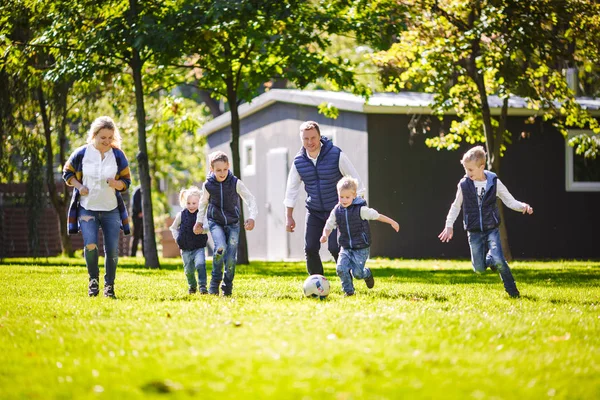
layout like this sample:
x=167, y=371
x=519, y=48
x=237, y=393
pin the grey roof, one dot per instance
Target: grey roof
x=379, y=103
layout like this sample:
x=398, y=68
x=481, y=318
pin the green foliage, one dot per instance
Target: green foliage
x=328, y=110
x=420, y=333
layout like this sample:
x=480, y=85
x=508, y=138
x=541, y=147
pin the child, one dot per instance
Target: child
x=220, y=193
x=477, y=192
x=191, y=244
x=351, y=216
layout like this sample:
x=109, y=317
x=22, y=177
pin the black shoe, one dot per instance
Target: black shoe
x=109, y=291
x=370, y=281
x=93, y=288
x=192, y=290
x=515, y=295
x=213, y=292
x=348, y=294
x=203, y=290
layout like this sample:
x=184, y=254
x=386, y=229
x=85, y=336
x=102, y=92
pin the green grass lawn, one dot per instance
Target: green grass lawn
x=429, y=329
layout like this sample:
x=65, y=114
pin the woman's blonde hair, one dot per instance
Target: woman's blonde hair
x=105, y=122
x=185, y=193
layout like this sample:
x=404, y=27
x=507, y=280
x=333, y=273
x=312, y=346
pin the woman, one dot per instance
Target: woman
x=99, y=171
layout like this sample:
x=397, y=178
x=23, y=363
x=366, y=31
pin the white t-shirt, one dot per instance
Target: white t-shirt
x=96, y=171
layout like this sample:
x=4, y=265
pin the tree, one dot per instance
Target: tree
x=238, y=45
x=465, y=51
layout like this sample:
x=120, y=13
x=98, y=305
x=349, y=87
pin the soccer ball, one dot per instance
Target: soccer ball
x=316, y=286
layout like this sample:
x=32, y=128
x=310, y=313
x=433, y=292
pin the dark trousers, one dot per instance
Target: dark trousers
x=315, y=222
x=138, y=235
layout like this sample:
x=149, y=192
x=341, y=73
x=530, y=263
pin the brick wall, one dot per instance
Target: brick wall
x=14, y=232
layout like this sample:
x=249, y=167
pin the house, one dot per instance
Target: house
x=410, y=182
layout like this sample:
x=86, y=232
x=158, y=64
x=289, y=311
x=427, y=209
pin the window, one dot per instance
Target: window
x=582, y=175
x=249, y=157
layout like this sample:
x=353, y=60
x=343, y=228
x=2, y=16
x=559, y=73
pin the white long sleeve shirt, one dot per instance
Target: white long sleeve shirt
x=241, y=189
x=501, y=192
x=174, y=228
x=96, y=170
x=294, y=181
x=366, y=213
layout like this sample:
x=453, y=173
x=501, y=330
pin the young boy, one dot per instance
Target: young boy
x=220, y=193
x=477, y=192
x=351, y=217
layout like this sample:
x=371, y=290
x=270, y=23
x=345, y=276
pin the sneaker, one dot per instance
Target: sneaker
x=203, y=290
x=109, y=291
x=213, y=292
x=370, y=281
x=515, y=295
x=192, y=290
x=93, y=288
x=348, y=294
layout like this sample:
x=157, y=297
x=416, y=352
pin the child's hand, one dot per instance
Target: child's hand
x=323, y=239
x=528, y=209
x=249, y=224
x=84, y=191
x=446, y=234
x=395, y=226
x=198, y=229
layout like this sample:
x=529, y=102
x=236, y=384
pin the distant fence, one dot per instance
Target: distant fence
x=14, y=232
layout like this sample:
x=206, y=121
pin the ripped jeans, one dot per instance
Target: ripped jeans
x=110, y=222
x=225, y=238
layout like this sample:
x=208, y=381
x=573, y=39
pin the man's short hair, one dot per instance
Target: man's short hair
x=347, y=183
x=309, y=125
x=217, y=156
x=476, y=153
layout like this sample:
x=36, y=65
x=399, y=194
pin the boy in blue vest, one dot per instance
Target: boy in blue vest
x=351, y=216
x=477, y=192
x=192, y=246
x=220, y=193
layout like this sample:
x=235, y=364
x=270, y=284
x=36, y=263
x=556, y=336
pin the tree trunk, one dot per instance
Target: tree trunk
x=57, y=201
x=150, y=251
x=242, y=257
x=496, y=168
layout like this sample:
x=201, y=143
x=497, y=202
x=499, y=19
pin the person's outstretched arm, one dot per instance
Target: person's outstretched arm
x=330, y=225
x=388, y=220
x=202, y=204
x=250, y=201
x=510, y=202
x=448, y=231
x=367, y=213
x=292, y=190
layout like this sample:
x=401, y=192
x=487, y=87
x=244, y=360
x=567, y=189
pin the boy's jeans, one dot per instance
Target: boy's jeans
x=194, y=260
x=352, y=263
x=110, y=222
x=486, y=251
x=225, y=238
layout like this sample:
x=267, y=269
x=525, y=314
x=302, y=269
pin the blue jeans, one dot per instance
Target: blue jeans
x=315, y=222
x=225, y=238
x=351, y=263
x=110, y=222
x=194, y=260
x=486, y=251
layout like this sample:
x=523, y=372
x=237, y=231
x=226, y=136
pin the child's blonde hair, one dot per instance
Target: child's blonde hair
x=105, y=122
x=476, y=153
x=217, y=156
x=347, y=183
x=185, y=193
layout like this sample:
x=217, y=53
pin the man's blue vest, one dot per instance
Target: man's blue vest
x=320, y=180
x=187, y=239
x=224, y=202
x=353, y=231
x=480, y=217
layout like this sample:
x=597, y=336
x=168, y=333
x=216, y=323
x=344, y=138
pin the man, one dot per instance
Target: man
x=320, y=165
x=138, y=223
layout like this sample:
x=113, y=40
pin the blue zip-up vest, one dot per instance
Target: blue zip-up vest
x=224, y=202
x=320, y=180
x=353, y=231
x=187, y=239
x=480, y=217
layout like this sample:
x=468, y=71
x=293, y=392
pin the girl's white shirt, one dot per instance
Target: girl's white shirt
x=244, y=193
x=174, y=228
x=501, y=192
x=366, y=213
x=96, y=171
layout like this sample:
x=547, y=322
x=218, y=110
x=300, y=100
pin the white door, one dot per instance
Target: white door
x=277, y=237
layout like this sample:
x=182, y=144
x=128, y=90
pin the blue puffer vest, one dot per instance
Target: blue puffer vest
x=187, y=239
x=353, y=231
x=320, y=180
x=476, y=217
x=224, y=203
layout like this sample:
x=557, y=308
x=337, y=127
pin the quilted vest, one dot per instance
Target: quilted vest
x=480, y=217
x=353, y=231
x=187, y=239
x=224, y=202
